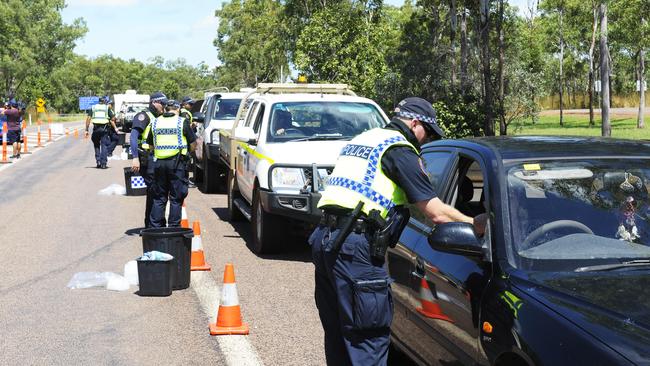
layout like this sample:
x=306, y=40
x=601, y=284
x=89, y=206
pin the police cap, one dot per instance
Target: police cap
x=421, y=110
x=187, y=100
x=158, y=97
x=172, y=103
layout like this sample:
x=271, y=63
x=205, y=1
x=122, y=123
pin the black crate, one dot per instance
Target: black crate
x=156, y=278
x=121, y=138
x=175, y=241
x=134, y=183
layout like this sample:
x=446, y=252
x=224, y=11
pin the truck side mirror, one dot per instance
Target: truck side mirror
x=198, y=117
x=456, y=238
x=245, y=134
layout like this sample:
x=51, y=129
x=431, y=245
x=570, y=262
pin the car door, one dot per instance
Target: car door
x=253, y=155
x=401, y=261
x=450, y=285
x=244, y=154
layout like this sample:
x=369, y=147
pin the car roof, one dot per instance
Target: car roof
x=543, y=147
x=311, y=97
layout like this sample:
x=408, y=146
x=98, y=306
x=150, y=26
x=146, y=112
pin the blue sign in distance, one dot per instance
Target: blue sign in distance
x=85, y=103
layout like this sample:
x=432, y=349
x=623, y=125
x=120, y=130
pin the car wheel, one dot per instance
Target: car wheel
x=233, y=212
x=267, y=229
x=209, y=183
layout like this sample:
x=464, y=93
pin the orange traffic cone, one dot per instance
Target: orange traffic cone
x=184, y=222
x=76, y=133
x=430, y=307
x=229, y=313
x=198, y=257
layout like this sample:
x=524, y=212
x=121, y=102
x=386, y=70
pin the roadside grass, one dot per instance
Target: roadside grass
x=622, y=127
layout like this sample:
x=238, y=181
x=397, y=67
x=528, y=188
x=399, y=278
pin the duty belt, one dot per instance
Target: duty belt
x=334, y=221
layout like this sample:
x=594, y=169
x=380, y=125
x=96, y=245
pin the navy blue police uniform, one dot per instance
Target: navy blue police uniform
x=113, y=135
x=140, y=122
x=101, y=139
x=170, y=181
x=357, y=320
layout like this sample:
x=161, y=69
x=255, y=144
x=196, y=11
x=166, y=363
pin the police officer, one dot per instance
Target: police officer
x=143, y=160
x=186, y=105
x=101, y=115
x=376, y=174
x=112, y=133
x=172, y=139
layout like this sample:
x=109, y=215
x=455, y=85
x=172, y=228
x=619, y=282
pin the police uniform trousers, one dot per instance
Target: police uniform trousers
x=101, y=141
x=169, y=183
x=147, y=175
x=353, y=298
x=114, y=139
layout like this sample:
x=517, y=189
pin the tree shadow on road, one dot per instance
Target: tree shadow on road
x=297, y=249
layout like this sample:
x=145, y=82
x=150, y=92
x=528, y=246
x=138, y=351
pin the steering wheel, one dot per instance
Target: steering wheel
x=551, y=226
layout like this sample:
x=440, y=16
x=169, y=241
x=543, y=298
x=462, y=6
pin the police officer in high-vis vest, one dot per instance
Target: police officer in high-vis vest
x=171, y=138
x=143, y=160
x=376, y=174
x=186, y=105
x=101, y=115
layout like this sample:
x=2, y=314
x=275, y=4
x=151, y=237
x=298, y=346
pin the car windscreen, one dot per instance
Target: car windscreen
x=225, y=109
x=293, y=121
x=570, y=213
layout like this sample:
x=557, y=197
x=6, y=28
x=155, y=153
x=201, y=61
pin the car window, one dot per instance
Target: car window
x=306, y=120
x=258, y=120
x=571, y=213
x=225, y=109
x=435, y=163
x=252, y=113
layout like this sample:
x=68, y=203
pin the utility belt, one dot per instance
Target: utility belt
x=99, y=126
x=384, y=233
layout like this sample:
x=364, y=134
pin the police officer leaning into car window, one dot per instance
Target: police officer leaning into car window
x=101, y=116
x=172, y=139
x=376, y=174
x=143, y=160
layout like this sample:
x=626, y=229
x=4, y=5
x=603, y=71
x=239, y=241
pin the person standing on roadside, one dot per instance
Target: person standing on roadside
x=13, y=128
x=101, y=116
x=172, y=139
x=364, y=213
x=143, y=160
x=186, y=106
x=112, y=133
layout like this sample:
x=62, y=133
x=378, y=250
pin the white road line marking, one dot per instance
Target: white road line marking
x=236, y=349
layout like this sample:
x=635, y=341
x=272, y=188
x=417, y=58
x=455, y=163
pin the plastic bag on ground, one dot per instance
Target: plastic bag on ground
x=131, y=272
x=113, y=189
x=124, y=155
x=155, y=255
x=110, y=280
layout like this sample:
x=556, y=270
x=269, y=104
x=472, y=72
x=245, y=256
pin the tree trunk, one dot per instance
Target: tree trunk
x=604, y=72
x=485, y=53
x=463, y=52
x=453, y=18
x=591, y=66
x=640, y=123
x=502, y=110
x=561, y=67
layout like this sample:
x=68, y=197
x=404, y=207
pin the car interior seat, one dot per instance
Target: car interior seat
x=464, y=200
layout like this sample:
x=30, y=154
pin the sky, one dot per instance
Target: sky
x=142, y=29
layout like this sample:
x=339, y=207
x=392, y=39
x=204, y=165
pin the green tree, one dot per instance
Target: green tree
x=250, y=42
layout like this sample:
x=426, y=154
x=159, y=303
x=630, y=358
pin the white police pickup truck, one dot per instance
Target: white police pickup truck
x=283, y=145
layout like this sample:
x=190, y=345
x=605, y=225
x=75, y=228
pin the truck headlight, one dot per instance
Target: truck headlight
x=287, y=178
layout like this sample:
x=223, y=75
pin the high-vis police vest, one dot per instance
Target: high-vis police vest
x=168, y=137
x=142, y=140
x=188, y=113
x=358, y=175
x=99, y=114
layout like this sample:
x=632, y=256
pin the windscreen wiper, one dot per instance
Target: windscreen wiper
x=323, y=136
x=609, y=267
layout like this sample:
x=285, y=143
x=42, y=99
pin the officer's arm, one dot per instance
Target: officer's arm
x=440, y=213
x=133, y=141
x=189, y=135
x=87, y=123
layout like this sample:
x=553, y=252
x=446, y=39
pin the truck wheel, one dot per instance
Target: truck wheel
x=267, y=229
x=209, y=183
x=233, y=212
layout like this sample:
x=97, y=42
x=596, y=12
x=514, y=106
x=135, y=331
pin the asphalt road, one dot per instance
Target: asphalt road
x=54, y=224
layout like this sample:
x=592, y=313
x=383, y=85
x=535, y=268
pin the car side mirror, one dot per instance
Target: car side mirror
x=198, y=117
x=245, y=134
x=456, y=238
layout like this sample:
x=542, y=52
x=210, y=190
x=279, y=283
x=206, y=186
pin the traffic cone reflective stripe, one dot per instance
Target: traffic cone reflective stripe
x=184, y=222
x=198, y=256
x=229, y=319
x=430, y=307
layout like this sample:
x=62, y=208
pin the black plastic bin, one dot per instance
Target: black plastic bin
x=176, y=241
x=121, y=138
x=134, y=183
x=156, y=277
